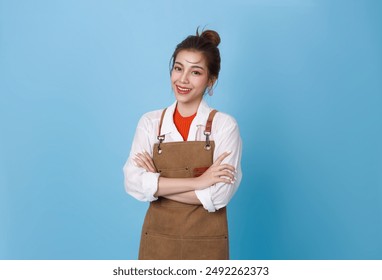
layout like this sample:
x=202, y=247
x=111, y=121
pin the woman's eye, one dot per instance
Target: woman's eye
x=197, y=73
x=176, y=68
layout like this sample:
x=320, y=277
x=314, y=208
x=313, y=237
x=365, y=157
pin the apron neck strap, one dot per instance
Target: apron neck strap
x=209, y=121
x=207, y=131
x=161, y=121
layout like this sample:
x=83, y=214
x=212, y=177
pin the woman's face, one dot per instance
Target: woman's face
x=189, y=77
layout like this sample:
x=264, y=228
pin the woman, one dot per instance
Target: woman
x=185, y=160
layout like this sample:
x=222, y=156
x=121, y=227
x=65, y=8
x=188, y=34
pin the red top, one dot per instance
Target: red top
x=183, y=123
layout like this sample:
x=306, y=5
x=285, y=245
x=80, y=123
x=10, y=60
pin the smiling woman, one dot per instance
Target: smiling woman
x=185, y=161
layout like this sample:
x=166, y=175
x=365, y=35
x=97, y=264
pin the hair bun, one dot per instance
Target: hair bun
x=211, y=36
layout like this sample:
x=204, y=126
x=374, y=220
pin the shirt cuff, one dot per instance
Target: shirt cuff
x=150, y=185
x=205, y=198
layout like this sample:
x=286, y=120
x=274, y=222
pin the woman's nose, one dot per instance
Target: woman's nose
x=184, y=78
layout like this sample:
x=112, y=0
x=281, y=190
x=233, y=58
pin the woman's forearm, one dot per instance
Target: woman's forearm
x=172, y=186
x=185, y=197
x=216, y=173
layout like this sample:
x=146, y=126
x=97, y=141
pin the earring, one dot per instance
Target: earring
x=210, y=91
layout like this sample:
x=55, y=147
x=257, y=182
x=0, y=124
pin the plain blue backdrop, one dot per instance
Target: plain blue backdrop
x=302, y=78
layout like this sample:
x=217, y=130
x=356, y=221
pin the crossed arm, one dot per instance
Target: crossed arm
x=183, y=189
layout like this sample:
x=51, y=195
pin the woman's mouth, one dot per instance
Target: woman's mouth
x=182, y=90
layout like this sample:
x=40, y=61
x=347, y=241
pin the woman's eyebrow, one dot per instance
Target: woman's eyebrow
x=196, y=66
x=193, y=66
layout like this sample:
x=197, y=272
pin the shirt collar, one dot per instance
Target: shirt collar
x=201, y=117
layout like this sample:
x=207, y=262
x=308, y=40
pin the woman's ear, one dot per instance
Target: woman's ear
x=210, y=88
x=211, y=82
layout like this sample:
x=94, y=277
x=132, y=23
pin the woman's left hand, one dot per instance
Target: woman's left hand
x=145, y=161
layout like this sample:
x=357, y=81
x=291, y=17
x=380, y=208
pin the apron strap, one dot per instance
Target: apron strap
x=161, y=121
x=209, y=121
x=207, y=131
x=161, y=137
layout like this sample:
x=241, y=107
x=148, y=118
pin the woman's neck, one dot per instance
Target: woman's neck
x=186, y=110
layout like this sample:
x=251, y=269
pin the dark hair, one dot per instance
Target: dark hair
x=206, y=43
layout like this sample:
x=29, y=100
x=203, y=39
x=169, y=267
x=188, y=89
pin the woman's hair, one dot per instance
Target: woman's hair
x=206, y=43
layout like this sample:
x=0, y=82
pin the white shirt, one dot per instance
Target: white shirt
x=225, y=132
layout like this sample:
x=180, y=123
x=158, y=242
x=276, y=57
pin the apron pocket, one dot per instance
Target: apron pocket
x=205, y=248
x=159, y=247
x=166, y=247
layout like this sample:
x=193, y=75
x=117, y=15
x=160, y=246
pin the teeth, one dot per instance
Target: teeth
x=184, y=89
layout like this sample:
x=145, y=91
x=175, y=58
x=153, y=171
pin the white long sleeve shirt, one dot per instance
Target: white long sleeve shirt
x=225, y=132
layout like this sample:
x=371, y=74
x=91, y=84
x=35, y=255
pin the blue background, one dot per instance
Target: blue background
x=302, y=78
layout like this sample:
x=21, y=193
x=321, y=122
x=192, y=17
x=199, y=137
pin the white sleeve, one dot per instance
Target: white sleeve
x=139, y=183
x=226, y=139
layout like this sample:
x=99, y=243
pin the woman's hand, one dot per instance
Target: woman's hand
x=145, y=161
x=216, y=173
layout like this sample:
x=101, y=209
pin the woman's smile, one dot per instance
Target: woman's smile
x=182, y=90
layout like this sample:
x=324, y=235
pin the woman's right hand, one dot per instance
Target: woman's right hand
x=216, y=173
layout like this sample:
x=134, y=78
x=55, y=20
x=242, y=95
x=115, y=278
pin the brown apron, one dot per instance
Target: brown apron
x=180, y=231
